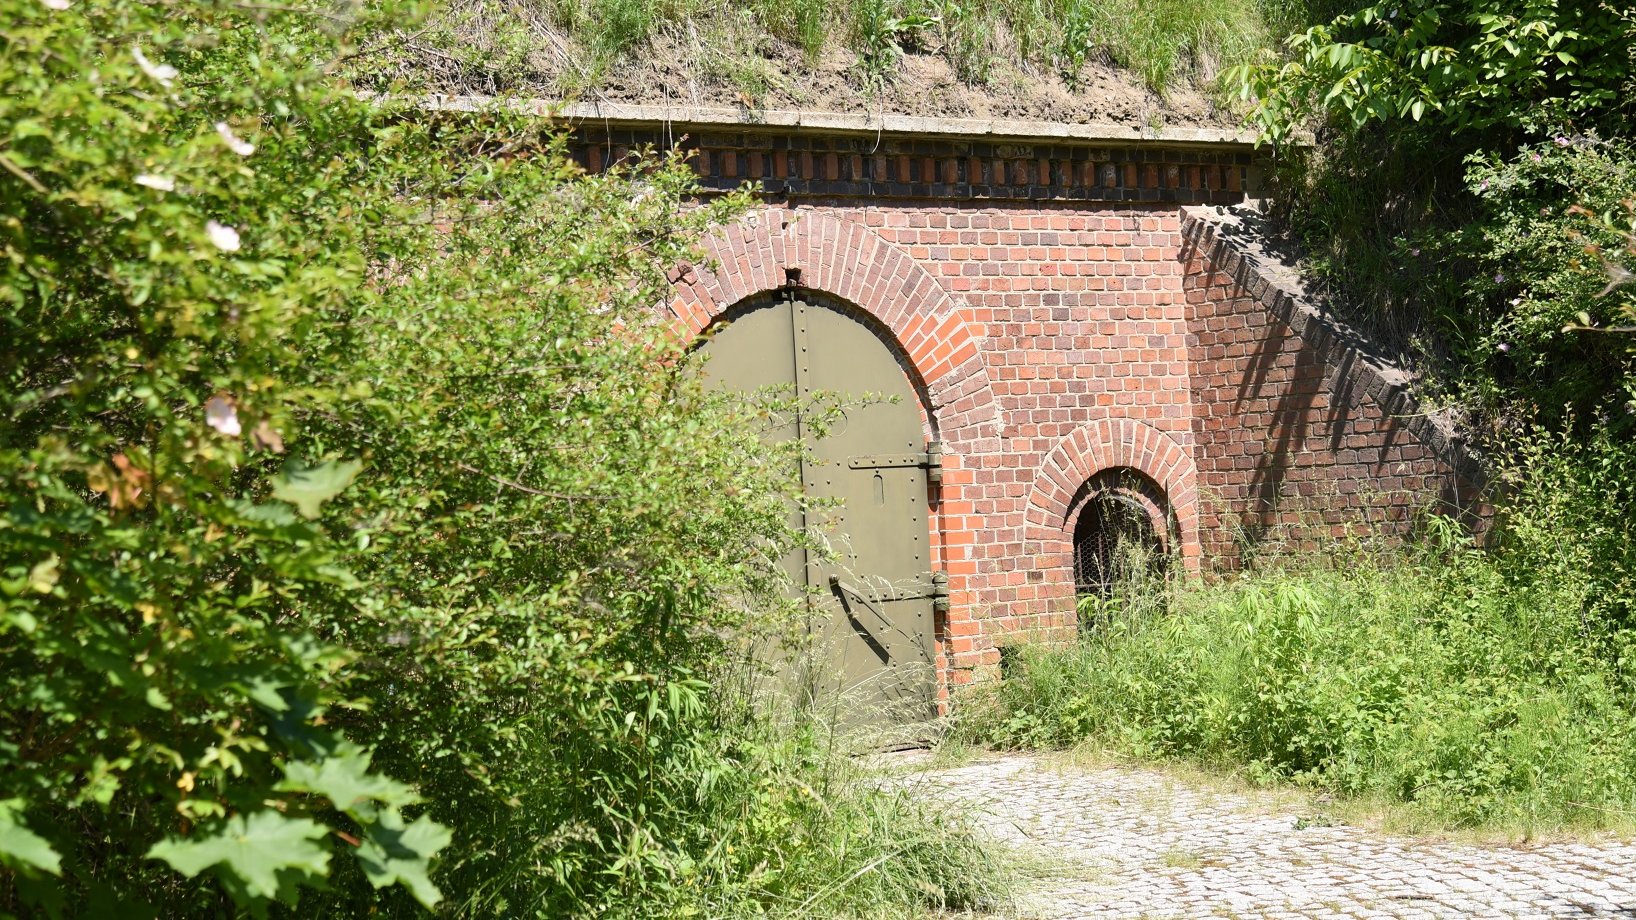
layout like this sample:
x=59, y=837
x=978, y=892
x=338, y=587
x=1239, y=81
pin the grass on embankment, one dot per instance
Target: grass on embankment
x=1166, y=43
x=1159, y=39
x=1472, y=694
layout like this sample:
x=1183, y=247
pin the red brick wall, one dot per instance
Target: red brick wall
x=1302, y=434
x=1061, y=331
x=1052, y=342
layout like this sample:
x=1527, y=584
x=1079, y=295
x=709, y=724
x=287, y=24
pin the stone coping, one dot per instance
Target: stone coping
x=614, y=114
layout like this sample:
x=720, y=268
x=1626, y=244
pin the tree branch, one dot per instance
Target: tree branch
x=566, y=496
x=22, y=174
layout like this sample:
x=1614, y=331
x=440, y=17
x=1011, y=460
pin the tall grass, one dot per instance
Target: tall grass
x=792, y=824
x=1490, y=688
x=752, y=807
x=1164, y=41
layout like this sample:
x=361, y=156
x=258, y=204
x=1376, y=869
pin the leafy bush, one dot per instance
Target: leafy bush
x=1467, y=64
x=1533, y=280
x=1503, y=277
x=1456, y=140
x=359, y=511
x=1568, y=519
x=178, y=277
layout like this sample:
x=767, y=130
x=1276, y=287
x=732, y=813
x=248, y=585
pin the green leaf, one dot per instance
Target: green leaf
x=308, y=487
x=157, y=699
x=43, y=577
x=268, y=693
x=343, y=777
x=254, y=851
x=393, y=853
x=20, y=847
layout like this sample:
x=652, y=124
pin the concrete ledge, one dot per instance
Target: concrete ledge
x=683, y=117
x=1226, y=239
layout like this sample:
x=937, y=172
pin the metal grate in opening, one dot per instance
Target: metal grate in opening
x=1110, y=526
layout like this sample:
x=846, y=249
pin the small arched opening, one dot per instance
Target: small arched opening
x=1124, y=533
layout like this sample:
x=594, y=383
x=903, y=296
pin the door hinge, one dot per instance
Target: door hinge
x=931, y=460
x=940, y=592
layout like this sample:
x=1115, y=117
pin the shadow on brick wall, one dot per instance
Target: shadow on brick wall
x=1302, y=423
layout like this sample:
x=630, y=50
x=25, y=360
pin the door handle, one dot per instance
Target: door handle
x=843, y=589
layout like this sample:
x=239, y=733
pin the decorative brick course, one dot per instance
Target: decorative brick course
x=1061, y=317
x=785, y=164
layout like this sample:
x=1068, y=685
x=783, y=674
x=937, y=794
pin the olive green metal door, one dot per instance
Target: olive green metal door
x=867, y=472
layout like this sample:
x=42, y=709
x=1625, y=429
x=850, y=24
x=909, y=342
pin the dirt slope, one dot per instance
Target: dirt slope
x=683, y=68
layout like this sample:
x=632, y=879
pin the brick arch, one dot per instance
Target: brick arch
x=1091, y=449
x=772, y=249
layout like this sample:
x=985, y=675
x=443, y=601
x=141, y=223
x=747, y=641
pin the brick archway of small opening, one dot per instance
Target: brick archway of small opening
x=771, y=249
x=1080, y=456
x=1135, y=486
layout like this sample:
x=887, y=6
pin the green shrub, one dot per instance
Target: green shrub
x=1473, y=65
x=1457, y=141
x=1483, y=687
x=1533, y=282
x=367, y=539
x=1495, y=274
x=185, y=223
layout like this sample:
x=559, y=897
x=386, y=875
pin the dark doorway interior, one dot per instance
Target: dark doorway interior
x=1121, y=541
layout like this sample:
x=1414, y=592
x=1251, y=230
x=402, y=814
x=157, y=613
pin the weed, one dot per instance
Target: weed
x=1181, y=859
x=883, y=29
x=804, y=23
x=1481, y=689
x=967, y=37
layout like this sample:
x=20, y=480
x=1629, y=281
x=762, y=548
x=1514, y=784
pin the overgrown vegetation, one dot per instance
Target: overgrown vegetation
x=1414, y=683
x=1460, y=65
x=1468, y=193
x=1484, y=687
x=1472, y=197
x=569, y=46
x=1498, y=273
x=341, y=455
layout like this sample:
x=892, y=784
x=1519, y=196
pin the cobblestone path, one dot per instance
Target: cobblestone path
x=1118, y=843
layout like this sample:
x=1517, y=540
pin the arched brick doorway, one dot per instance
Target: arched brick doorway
x=819, y=255
x=868, y=460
